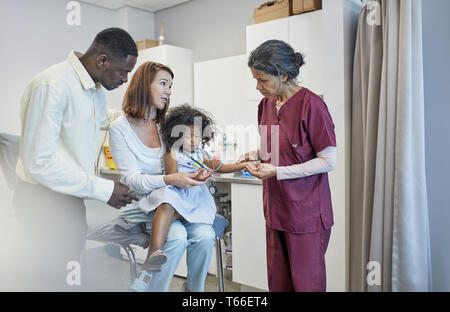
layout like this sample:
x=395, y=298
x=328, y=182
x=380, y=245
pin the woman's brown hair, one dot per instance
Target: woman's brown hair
x=137, y=102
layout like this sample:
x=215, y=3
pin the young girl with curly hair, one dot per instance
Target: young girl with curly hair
x=184, y=132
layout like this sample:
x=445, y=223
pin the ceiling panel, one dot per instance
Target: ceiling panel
x=148, y=5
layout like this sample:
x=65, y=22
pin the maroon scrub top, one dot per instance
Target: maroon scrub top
x=300, y=205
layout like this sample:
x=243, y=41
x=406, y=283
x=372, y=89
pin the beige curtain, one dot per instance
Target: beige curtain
x=389, y=234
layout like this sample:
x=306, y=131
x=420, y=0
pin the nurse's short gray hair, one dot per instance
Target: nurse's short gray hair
x=276, y=57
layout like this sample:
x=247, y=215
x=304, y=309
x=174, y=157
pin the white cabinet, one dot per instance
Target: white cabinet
x=304, y=33
x=256, y=35
x=305, y=36
x=327, y=39
x=219, y=88
x=249, y=235
x=179, y=60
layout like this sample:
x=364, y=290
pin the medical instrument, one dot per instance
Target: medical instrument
x=212, y=187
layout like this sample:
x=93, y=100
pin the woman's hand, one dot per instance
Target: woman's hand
x=202, y=175
x=262, y=170
x=186, y=180
x=250, y=156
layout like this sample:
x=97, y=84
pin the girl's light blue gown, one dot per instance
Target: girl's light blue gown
x=194, y=204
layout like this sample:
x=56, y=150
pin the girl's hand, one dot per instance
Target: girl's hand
x=253, y=166
x=250, y=156
x=202, y=175
x=262, y=170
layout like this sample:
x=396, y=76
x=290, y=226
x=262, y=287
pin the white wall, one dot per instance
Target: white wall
x=140, y=24
x=211, y=28
x=436, y=48
x=35, y=34
x=340, y=19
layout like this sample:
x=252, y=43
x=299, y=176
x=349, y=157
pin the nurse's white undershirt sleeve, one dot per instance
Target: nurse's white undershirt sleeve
x=325, y=162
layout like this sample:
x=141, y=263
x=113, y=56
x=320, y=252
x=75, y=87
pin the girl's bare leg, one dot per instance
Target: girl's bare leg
x=164, y=216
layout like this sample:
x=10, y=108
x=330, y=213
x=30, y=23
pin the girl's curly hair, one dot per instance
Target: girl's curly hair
x=178, y=118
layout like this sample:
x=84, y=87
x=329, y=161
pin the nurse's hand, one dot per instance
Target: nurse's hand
x=262, y=170
x=250, y=156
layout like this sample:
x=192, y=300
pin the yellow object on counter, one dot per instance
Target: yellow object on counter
x=109, y=160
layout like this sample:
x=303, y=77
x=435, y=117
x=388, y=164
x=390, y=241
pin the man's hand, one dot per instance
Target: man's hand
x=121, y=196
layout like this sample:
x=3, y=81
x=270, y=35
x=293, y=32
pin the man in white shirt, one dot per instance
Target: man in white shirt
x=62, y=112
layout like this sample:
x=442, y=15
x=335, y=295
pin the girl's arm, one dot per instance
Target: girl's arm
x=225, y=168
x=231, y=167
x=182, y=179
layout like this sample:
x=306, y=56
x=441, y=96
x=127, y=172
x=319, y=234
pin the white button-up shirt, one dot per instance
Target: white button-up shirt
x=62, y=112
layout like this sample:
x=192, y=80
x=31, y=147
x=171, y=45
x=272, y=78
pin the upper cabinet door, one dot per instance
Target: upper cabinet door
x=306, y=37
x=219, y=87
x=181, y=62
x=256, y=35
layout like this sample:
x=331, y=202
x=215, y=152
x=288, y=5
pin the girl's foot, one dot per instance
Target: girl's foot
x=156, y=260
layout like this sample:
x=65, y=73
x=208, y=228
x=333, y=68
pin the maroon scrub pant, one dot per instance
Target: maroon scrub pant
x=296, y=262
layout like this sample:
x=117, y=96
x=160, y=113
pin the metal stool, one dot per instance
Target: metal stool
x=123, y=234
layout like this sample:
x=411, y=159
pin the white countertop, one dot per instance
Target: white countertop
x=235, y=177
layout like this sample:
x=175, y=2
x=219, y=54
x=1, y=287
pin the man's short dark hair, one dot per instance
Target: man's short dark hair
x=116, y=42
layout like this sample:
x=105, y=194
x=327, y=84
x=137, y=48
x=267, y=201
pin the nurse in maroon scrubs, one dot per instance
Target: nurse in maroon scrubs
x=298, y=148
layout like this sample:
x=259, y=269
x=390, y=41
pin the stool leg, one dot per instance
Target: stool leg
x=132, y=259
x=219, y=264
